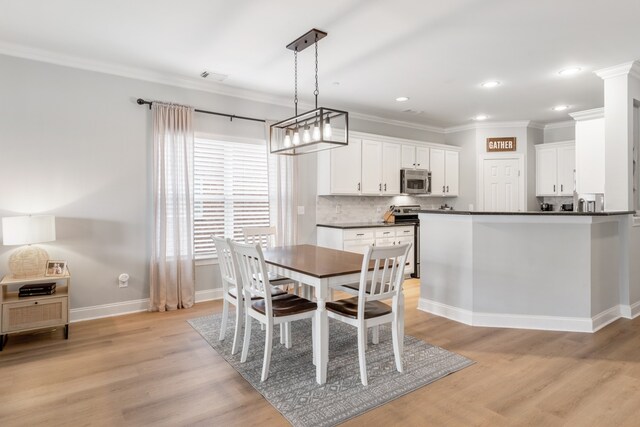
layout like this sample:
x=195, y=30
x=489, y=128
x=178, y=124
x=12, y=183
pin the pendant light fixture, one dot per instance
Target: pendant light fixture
x=315, y=130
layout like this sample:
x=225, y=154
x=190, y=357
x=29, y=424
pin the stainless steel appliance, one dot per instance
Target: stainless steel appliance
x=408, y=214
x=415, y=181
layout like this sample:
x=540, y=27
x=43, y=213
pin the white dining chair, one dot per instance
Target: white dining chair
x=367, y=309
x=266, y=238
x=268, y=310
x=232, y=290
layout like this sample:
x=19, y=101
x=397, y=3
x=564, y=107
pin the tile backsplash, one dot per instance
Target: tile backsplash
x=556, y=201
x=335, y=209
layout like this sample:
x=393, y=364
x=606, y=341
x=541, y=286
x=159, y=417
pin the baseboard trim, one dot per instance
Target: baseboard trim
x=128, y=307
x=108, y=310
x=521, y=321
x=630, y=311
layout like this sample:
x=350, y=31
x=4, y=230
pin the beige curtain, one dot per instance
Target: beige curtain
x=172, y=267
x=283, y=179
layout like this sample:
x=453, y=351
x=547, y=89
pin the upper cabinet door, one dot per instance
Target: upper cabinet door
x=452, y=169
x=345, y=168
x=422, y=158
x=437, y=167
x=408, y=156
x=391, y=162
x=371, y=167
x=566, y=170
x=547, y=172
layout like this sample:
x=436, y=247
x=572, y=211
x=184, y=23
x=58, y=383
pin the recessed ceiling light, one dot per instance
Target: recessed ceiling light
x=402, y=98
x=560, y=107
x=481, y=117
x=570, y=71
x=490, y=84
x=336, y=83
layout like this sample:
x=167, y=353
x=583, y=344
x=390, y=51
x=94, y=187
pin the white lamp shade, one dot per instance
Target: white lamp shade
x=26, y=230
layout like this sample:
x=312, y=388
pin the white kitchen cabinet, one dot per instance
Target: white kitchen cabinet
x=555, y=166
x=371, y=167
x=445, y=170
x=391, y=162
x=358, y=239
x=590, y=152
x=414, y=157
x=344, y=168
x=381, y=163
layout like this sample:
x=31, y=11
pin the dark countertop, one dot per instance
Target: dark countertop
x=346, y=225
x=552, y=213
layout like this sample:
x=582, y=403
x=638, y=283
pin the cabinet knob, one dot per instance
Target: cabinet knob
x=561, y=187
x=358, y=186
x=35, y=302
x=385, y=186
x=447, y=188
x=380, y=187
x=554, y=188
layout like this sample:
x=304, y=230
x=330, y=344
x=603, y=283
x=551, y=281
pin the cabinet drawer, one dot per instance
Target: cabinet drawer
x=34, y=314
x=404, y=231
x=386, y=233
x=386, y=242
x=358, y=233
x=357, y=246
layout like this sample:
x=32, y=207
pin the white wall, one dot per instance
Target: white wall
x=564, y=131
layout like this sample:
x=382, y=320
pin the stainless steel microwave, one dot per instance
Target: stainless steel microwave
x=415, y=181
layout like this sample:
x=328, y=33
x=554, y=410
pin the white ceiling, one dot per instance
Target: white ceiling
x=436, y=52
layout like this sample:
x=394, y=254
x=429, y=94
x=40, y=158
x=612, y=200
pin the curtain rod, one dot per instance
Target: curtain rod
x=141, y=101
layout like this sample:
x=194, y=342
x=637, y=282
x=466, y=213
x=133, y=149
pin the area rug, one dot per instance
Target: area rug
x=292, y=389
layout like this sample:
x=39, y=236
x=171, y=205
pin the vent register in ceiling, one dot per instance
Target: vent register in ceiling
x=315, y=130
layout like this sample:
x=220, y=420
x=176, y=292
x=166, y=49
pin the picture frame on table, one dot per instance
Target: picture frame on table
x=56, y=268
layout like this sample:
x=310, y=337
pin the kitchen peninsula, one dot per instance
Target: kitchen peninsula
x=564, y=271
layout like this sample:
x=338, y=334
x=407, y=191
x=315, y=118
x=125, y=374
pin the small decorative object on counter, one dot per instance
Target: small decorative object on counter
x=446, y=207
x=546, y=207
x=56, y=269
x=388, y=216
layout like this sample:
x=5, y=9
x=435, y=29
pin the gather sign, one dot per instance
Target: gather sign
x=501, y=144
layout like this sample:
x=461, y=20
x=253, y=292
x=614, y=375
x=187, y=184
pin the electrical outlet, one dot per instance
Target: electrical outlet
x=300, y=210
x=338, y=208
x=123, y=280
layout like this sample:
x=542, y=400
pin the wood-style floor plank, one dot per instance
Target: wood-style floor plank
x=154, y=369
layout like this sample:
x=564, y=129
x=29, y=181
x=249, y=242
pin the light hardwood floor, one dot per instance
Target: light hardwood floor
x=154, y=369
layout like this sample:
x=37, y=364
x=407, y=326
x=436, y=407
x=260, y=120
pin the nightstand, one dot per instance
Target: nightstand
x=20, y=314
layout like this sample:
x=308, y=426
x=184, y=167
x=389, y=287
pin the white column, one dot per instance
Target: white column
x=621, y=87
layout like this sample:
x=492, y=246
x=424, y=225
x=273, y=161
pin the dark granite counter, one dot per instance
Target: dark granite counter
x=552, y=213
x=347, y=225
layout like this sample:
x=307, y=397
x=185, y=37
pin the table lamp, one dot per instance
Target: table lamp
x=28, y=261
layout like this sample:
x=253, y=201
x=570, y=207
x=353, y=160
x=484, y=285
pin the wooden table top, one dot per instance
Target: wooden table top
x=314, y=261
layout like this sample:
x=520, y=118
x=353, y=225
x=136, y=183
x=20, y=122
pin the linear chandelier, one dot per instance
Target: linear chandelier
x=315, y=130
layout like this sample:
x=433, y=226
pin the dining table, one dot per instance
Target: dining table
x=322, y=269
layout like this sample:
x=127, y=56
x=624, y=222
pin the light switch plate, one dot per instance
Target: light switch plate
x=300, y=210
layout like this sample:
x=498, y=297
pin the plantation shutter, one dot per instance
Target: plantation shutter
x=231, y=191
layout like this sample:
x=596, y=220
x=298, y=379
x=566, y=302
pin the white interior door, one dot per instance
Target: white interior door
x=501, y=192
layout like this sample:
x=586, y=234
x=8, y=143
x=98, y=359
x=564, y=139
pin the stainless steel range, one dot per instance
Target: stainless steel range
x=408, y=214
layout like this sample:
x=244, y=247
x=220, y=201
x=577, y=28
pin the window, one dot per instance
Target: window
x=231, y=191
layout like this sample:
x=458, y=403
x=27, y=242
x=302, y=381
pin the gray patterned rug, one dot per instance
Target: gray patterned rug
x=291, y=387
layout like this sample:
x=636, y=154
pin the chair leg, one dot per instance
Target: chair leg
x=225, y=315
x=239, y=321
x=396, y=336
x=287, y=335
x=375, y=334
x=268, y=343
x=247, y=338
x=313, y=338
x=362, y=344
x=282, y=333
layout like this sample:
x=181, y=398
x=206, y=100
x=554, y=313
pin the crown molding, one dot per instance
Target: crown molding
x=20, y=51
x=495, y=125
x=596, y=113
x=560, y=125
x=628, y=68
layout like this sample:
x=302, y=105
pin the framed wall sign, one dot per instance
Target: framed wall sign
x=499, y=145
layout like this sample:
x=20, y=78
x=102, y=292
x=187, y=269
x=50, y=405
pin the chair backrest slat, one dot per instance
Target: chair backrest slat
x=253, y=271
x=263, y=236
x=228, y=268
x=387, y=275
